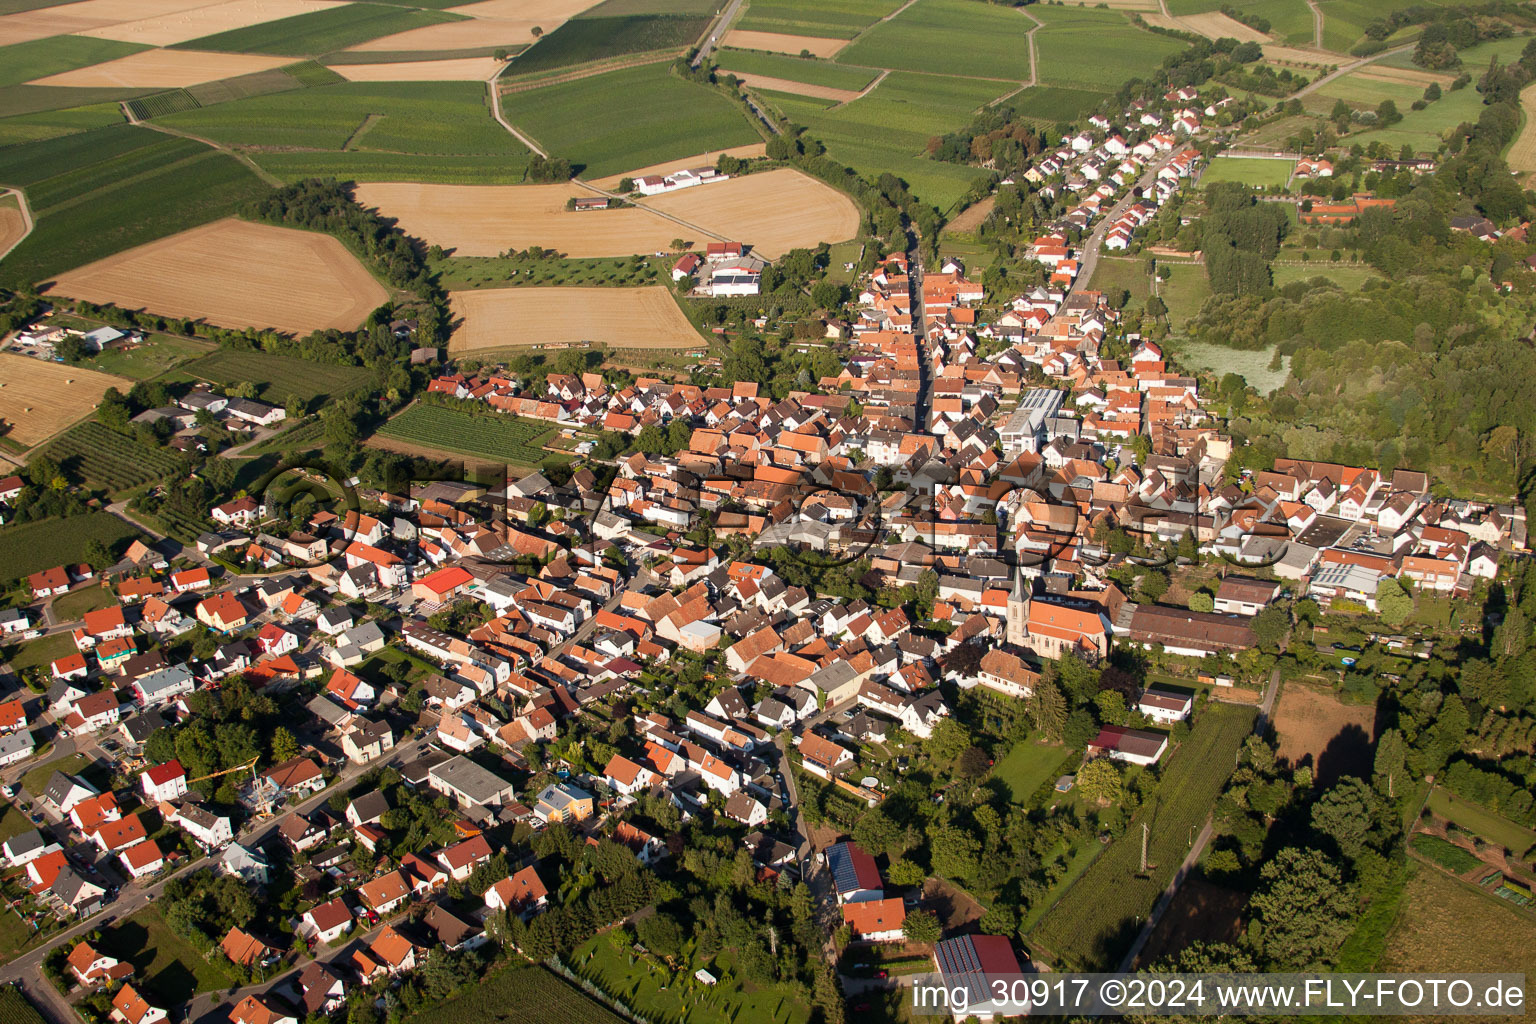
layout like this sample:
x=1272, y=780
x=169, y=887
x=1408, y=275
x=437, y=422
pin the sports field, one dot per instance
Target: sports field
x=1256, y=172
x=620, y=317
x=168, y=29
x=236, y=274
x=772, y=211
x=662, y=117
x=39, y=398
x=949, y=37
x=164, y=69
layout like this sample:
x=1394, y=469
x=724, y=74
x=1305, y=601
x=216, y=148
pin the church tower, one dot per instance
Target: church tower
x=1018, y=612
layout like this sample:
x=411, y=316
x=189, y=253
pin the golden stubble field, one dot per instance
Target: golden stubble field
x=772, y=211
x=461, y=69
x=164, y=69
x=619, y=317
x=494, y=23
x=1215, y=25
x=13, y=227
x=206, y=20
x=39, y=398
x=235, y=274
x=821, y=92
x=1522, y=154
x=780, y=42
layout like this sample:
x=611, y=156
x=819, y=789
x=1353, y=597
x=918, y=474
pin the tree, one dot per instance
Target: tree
x=1099, y=781
x=1153, y=585
x=954, y=852
x=1201, y=601
x=1344, y=814
x=1391, y=767
x=1048, y=710
x=660, y=933
x=922, y=927
x=1304, y=908
x=905, y=873
x=1270, y=626
x=97, y=554
x=1393, y=603
x=1155, y=307
x=284, y=746
x=973, y=763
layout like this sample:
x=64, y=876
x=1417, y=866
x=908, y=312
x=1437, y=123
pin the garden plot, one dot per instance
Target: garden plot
x=164, y=69
x=1316, y=728
x=236, y=274
x=618, y=317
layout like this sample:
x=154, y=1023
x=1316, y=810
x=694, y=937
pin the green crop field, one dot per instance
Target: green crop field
x=838, y=19
x=889, y=129
x=1095, y=919
x=1256, y=172
x=318, y=32
x=503, y=438
x=22, y=62
x=26, y=548
x=1054, y=103
x=795, y=69
x=622, y=8
x=949, y=37
x=54, y=123
x=109, y=461
x=277, y=377
x=1120, y=50
x=368, y=131
x=99, y=192
x=626, y=119
x=581, y=40
x=523, y=994
x=14, y=1008
x=33, y=99
x=1447, y=855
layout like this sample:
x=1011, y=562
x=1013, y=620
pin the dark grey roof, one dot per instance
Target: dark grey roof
x=370, y=806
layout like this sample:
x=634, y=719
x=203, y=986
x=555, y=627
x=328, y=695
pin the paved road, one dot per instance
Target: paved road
x=1345, y=69
x=1088, y=252
x=717, y=32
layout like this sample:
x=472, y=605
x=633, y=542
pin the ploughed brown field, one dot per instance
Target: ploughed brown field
x=236, y=274
x=39, y=398
x=1315, y=727
x=164, y=69
x=618, y=317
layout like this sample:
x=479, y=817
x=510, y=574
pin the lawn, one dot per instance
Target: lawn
x=53, y=123
x=1028, y=766
x=581, y=40
x=1252, y=366
x=1184, y=292
x=1349, y=276
x=158, y=353
x=1120, y=50
x=1256, y=172
x=278, y=378
x=36, y=779
x=165, y=965
x=319, y=32
x=794, y=69
x=102, y=459
x=626, y=119
x=949, y=37
x=368, y=131
x=658, y=993
x=503, y=438
x=22, y=62
x=1130, y=273
x=99, y=192
x=76, y=603
x=26, y=548
x=1483, y=822
x=1363, y=92
x=42, y=653
x=13, y=822
x=1450, y=926
x=521, y=994
x=1098, y=916
x=838, y=19
x=889, y=129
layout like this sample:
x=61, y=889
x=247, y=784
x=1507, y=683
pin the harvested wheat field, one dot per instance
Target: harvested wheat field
x=1522, y=153
x=235, y=274
x=39, y=398
x=748, y=152
x=547, y=14
x=485, y=220
x=465, y=69
x=773, y=212
x=168, y=29
x=822, y=92
x=1316, y=728
x=81, y=17
x=165, y=69
x=1215, y=25
x=618, y=317
x=1157, y=19
x=971, y=218
x=469, y=34
x=779, y=42
x=13, y=226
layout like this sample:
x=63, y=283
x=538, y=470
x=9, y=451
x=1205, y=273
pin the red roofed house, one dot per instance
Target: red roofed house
x=260, y=1009
x=164, y=781
x=245, y=949
x=523, y=893
x=71, y=666
x=49, y=582
x=142, y=859
x=107, y=624
x=442, y=585
x=627, y=777
x=326, y=922
x=222, y=612
x=876, y=920
x=95, y=968
x=191, y=579
x=117, y=836
x=128, y=1007
x=461, y=859
x=275, y=641
x=385, y=893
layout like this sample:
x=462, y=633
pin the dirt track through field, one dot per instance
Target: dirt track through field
x=772, y=211
x=164, y=69
x=821, y=92
x=747, y=152
x=39, y=398
x=13, y=226
x=180, y=26
x=624, y=317
x=466, y=69
x=779, y=42
x=236, y=274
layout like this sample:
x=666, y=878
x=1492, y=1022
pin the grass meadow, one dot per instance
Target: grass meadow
x=1054, y=104
x=502, y=438
x=51, y=124
x=1119, y=49
x=1517, y=839
x=949, y=37
x=1446, y=925
x=662, y=117
x=335, y=28
x=1424, y=129
x=839, y=19
x=99, y=192
x=889, y=129
x=795, y=69
x=1028, y=766
x=277, y=377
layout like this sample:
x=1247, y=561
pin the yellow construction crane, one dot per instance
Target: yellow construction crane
x=251, y=764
